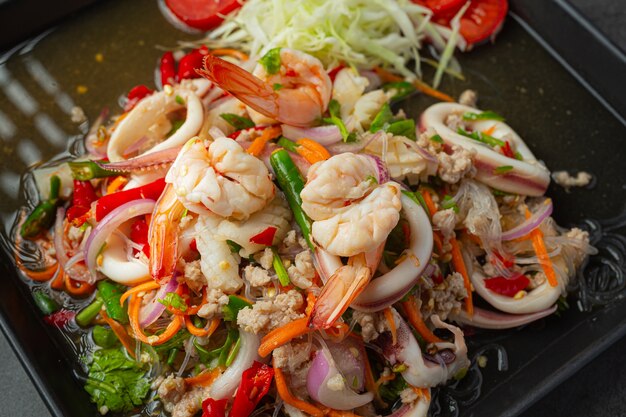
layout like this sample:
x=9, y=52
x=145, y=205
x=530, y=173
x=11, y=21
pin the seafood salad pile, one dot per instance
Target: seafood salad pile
x=268, y=235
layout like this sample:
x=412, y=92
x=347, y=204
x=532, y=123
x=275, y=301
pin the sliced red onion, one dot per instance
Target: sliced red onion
x=387, y=289
x=152, y=310
x=226, y=385
x=354, y=147
x=349, y=356
x=324, y=135
x=75, y=270
x=544, y=211
x=382, y=175
x=486, y=319
x=108, y=224
x=145, y=162
x=324, y=370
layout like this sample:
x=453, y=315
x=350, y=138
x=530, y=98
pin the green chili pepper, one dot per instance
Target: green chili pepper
x=46, y=304
x=382, y=118
x=279, y=267
x=481, y=137
x=104, y=337
x=402, y=88
x=111, y=294
x=87, y=314
x=233, y=352
x=88, y=170
x=231, y=310
x=291, y=182
x=233, y=336
x=287, y=144
x=42, y=217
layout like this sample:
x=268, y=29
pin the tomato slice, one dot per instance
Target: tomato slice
x=483, y=20
x=202, y=14
x=442, y=8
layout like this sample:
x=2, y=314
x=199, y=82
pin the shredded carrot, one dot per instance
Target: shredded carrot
x=438, y=242
x=116, y=184
x=414, y=316
x=459, y=266
x=419, y=84
x=312, y=151
x=230, y=52
x=428, y=199
x=310, y=303
x=289, y=398
x=392, y=325
x=282, y=335
x=120, y=332
x=201, y=332
x=59, y=281
x=259, y=143
x=204, y=379
x=422, y=392
x=370, y=383
x=154, y=340
x=338, y=331
x=385, y=378
x=490, y=130
x=542, y=253
x=77, y=288
x=40, y=276
x=148, y=286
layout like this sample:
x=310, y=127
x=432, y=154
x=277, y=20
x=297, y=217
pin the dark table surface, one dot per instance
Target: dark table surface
x=598, y=390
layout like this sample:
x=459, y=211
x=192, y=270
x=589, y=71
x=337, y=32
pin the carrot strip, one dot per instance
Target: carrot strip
x=289, y=398
x=59, y=281
x=490, y=130
x=419, y=84
x=282, y=335
x=415, y=318
x=120, y=332
x=154, y=340
x=148, y=286
x=338, y=330
x=259, y=143
x=230, y=52
x=459, y=266
x=116, y=184
x=312, y=151
x=39, y=276
x=201, y=332
x=542, y=253
x=438, y=242
x=392, y=325
x=77, y=288
x=204, y=379
x=422, y=392
x=428, y=199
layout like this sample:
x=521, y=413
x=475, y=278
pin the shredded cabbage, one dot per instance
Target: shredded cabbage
x=360, y=33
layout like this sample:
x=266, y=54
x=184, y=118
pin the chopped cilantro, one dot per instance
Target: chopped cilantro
x=382, y=118
x=236, y=121
x=486, y=115
x=436, y=138
x=449, y=203
x=174, y=300
x=271, y=61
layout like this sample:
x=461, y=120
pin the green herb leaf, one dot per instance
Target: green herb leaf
x=179, y=100
x=481, y=137
x=404, y=128
x=402, y=88
x=116, y=382
x=279, y=268
x=176, y=124
x=234, y=246
x=486, y=115
x=502, y=169
x=174, y=300
x=390, y=392
x=236, y=121
x=437, y=139
x=231, y=310
x=271, y=61
x=277, y=86
x=383, y=117
x=449, y=203
x=335, y=109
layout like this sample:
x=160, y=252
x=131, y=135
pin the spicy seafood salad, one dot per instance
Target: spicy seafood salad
x=268, y=235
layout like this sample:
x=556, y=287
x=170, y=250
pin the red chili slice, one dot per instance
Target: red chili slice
x=202, y=14
x=266, y=237
x=135, y=95
x=507, y=286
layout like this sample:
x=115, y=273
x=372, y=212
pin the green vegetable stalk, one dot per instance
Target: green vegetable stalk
x=279, y=267
x=87, y=314
x=46, y=304
x=231, y=310
x=42, y=217
x=88, y=170
x=111, y=294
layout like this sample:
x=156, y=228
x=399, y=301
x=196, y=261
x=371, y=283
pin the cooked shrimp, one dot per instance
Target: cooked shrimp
x=352, y=213
x=222, y=180
x=298, y=94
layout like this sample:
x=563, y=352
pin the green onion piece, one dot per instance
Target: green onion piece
x=277, y=86
x=234, y=306
x=481, y=137
x=291, y=183
x=403, y=89
x=111, y=293
x=236, y=121
x=518, y=156
x=176, y=124
x=88, y=170
x=335, y=119
x=271, y=61
x=234, y=246
x=449, y=203
x=417, y=199
x=437, y=139
x=371, y=179
x=179, y=100
x=46, y=304
x=279, y=267
x=287, y=144
x=171, y=357
x=502, y=169
x=404, y=128
x=233, y=336
x=174, y=300
x=42, y=216
x=233, y=352
x=486, y=115
x=87, y=314
x=382, y=118
x=104, y=337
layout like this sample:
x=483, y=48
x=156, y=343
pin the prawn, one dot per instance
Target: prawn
x=297, y=94
x=352, y=216
x=222, y=179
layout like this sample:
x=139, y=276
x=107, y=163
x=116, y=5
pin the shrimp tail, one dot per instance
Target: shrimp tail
x=163, y=235
x=241, y=84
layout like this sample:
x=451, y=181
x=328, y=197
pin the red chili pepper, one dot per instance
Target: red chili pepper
x=214, y=408
x=139, y=234
x=506, y=262
x=333, y=72
x=135, y=95
x=507, y=286
x=110, y=202
x=59, y=318
x=255, y=383
x=236, y=134
x=83, y=196
x=507, y=151
x=188, y=64
x=266, y=237
x=168, y=69
x=193, y=245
